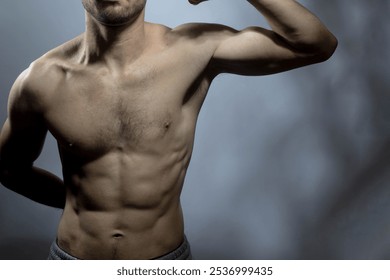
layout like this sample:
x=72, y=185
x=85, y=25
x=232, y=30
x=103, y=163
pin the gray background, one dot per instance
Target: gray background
x=289, y=166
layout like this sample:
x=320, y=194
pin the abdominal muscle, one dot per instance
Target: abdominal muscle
x=123, y=205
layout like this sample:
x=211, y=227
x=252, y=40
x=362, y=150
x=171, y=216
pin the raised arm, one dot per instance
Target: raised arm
x=21, y=141
x=297, y=38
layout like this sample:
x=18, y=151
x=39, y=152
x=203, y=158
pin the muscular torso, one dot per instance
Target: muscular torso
x=125, y=138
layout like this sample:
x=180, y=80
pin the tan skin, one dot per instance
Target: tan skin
x=122, y=101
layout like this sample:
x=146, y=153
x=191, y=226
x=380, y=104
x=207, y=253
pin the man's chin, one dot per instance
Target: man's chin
x=113, y=20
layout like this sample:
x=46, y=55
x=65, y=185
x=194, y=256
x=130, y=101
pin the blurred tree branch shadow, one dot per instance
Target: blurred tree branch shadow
x=356, y=217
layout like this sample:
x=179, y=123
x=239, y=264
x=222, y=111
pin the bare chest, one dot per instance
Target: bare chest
x=99, y=112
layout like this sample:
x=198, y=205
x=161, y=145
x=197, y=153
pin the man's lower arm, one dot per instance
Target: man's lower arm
x=35, y=184
x=296, y=25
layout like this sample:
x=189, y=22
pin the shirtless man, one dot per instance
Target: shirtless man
x=122, y=101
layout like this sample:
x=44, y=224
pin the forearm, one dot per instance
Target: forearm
x=35, y=184
x=296, y=25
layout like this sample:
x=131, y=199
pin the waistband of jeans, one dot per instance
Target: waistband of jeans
x=183, y=252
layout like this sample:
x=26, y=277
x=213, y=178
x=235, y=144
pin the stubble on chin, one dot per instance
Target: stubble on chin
x=113, y=14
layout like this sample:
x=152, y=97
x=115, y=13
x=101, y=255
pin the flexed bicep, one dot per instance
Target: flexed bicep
x=296, y=38
x=258, y=51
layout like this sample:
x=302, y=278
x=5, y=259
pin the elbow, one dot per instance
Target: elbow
x=316, y=48
x=330, y=47
x=325, y=48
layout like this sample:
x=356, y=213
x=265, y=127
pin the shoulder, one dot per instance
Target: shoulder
x=194, y=32
x=34, y=85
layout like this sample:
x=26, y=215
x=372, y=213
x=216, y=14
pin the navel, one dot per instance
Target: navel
x=117, y=235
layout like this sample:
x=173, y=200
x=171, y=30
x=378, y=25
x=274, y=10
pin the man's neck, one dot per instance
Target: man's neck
x=118, y=45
